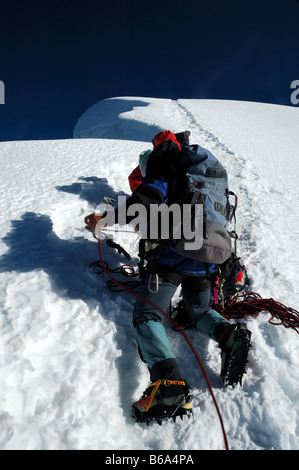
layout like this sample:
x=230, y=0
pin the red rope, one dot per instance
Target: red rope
x=251, y=304
x=135, y=294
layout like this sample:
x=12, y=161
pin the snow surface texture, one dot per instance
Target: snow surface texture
x=69, y=365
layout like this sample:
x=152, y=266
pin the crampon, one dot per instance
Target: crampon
x=234, y=356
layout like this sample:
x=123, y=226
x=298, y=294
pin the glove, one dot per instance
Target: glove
x=92, y=220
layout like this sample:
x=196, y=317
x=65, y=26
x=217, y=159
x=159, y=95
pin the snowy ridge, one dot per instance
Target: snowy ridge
x=69, y=367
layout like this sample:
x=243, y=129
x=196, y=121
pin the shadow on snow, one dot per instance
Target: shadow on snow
x=105, y=120
x=34, y=245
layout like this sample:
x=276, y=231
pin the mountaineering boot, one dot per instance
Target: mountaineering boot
x=234, y=342
x=180, y=316
x=168, y=396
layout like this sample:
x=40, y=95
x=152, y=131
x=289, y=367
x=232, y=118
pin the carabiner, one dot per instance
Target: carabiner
x=150, y=283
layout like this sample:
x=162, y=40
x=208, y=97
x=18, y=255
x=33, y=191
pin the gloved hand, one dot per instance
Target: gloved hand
x=92, y=220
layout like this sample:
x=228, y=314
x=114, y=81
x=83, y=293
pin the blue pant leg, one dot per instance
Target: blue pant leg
x=199, y=312
x=197, y=303
x=149, y=331
x=160, y=295
x=207, y=323
x=153, y=342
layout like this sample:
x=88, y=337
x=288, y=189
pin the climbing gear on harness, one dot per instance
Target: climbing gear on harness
x=150, y=282
x=230, y=277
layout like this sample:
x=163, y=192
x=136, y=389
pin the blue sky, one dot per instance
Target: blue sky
x=58, y=58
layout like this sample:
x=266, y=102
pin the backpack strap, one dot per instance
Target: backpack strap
x=233, y=233
x=216, y=172
x=234, y=207
x=186, y=193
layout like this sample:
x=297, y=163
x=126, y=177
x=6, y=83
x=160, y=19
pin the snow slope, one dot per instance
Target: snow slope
x=69, y=367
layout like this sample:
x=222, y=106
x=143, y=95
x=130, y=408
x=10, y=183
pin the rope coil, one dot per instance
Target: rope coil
x=252, y=304
x=125, y=269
